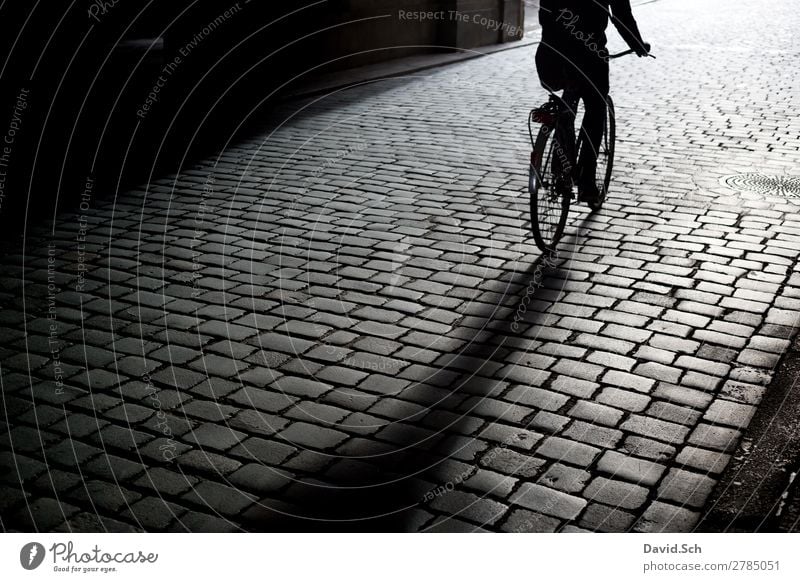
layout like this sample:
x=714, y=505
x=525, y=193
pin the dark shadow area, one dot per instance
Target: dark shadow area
x=376, y=489
x=362, y=492
x=380, y=491
x=755, y=493
x=83, y=134
x=101, y=96
x=347, y=495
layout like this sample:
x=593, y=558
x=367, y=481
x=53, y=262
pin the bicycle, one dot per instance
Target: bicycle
x=551, y=189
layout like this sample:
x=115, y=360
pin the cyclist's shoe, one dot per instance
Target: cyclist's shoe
x=590, y=194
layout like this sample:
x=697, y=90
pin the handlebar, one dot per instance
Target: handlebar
x=624, y=53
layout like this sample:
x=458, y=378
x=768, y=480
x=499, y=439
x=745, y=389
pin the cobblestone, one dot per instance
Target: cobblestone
x=616, y=493
x=548, y=501
x=593, y=434
x=512, y=463
x=524, y=521
x=470, y=506
x=625, y=380
x=624, y=467
x=602, y=518
x=596, y=413
x=565, y=478
x=715, y=437
x=662, y=517
x=685, y=488
x=729, y=414
x=568, y=451
x=489, y=482
x=712, y=462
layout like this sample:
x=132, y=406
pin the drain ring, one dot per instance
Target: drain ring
x=786, y=186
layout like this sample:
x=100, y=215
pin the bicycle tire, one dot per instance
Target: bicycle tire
x=605, y=156
x=546, y=229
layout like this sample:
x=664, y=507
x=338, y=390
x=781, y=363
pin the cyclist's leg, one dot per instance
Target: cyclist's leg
x=594, y=95
x=564, y=158
x=555, y=74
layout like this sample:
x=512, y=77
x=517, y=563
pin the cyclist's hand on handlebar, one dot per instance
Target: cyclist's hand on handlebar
x=643, y=49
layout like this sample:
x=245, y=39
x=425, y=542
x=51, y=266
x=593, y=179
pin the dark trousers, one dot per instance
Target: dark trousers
x=594, y=122
x=583, y=79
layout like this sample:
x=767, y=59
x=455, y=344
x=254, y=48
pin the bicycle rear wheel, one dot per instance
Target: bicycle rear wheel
x=549, y=206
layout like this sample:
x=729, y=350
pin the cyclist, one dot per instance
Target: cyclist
x=573, y=56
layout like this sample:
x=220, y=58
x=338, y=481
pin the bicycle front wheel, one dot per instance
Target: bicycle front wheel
x=605, y=156
x=549, y=205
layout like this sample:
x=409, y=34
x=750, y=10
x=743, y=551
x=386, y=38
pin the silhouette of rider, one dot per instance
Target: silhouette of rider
x=573, y=56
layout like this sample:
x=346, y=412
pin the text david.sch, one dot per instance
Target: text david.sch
x=673, y=549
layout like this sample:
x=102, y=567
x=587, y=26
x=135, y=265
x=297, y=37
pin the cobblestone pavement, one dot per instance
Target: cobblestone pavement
x=342, y=323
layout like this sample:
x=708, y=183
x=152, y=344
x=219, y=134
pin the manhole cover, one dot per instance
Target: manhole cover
x=762, y=184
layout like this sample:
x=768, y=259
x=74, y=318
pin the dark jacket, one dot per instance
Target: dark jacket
x=574, y=37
